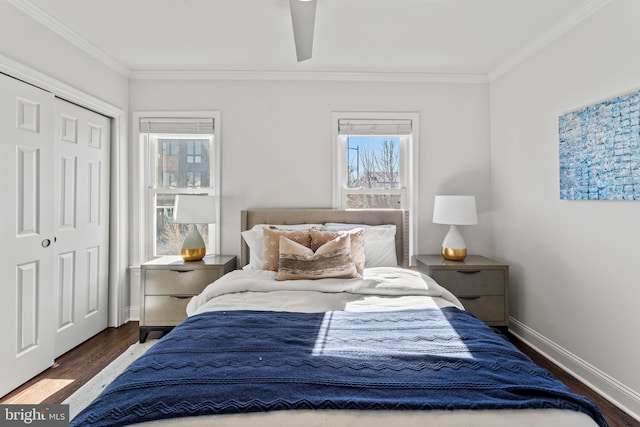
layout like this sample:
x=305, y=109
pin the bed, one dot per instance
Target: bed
x=340, y=333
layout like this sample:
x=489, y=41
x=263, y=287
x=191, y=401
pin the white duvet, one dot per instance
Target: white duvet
x=380, y=288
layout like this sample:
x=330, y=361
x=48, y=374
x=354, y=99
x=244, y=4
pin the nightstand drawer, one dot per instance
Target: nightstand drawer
x=164, y=310
x=471, y=282
x=179, y=282
x=486, y=308
x=481, y=284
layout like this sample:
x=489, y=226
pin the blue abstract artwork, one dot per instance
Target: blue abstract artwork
x=600, y=150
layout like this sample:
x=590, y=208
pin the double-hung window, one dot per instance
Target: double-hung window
x=181, y=157
x=373, y=158
x=375, y=162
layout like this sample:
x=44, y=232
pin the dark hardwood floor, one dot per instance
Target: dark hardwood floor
x=79, y=365
x=74, y=368
x=615, y=416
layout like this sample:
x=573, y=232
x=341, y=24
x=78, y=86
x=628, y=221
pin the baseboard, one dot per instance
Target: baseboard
x=134, y=297
x=611, y=389
x=134, y=313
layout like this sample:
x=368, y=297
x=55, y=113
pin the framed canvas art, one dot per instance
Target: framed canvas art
x=600, y=150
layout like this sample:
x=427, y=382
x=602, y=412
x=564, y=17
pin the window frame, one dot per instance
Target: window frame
x=146, y=191
x=408, y=159
x=403, y=173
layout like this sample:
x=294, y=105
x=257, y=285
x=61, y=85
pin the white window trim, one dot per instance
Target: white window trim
x=142, y=197
x=409, y=166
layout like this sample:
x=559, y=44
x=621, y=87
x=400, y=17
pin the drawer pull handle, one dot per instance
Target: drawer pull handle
x=182, y=271
x=181, y=296
x=468, y=271
x=470, y=297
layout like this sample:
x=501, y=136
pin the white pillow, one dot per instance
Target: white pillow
x=379, y=243
x=254, y=239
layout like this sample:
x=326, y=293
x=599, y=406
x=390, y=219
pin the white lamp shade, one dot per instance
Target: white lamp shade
x=455, y=210
x=194, y=209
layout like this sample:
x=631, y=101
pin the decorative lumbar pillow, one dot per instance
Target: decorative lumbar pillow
x=356, y=236
x=271, y=244
x=333, y=259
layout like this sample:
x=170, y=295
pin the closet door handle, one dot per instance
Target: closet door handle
x=45, y=243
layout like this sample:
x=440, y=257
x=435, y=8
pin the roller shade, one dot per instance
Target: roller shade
x=380, y=127
x=196, y=125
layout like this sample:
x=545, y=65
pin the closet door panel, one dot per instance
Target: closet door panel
x=82, y=224
x=26, y=232
x=27, y=307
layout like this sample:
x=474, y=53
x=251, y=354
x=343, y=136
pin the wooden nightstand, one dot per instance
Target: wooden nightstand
x=480, y=283
x=167, y=285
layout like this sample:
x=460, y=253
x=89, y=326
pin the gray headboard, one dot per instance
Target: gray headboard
x=251, y=217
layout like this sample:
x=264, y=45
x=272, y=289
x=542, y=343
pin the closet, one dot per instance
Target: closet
x=54, y=232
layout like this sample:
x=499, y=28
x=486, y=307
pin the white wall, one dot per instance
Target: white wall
x=276, y=142
x=574, y=264
x=33, y=45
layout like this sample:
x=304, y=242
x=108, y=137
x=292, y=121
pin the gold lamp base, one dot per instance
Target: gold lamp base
x=454, y=254
x=193, y=247
x=193, y=254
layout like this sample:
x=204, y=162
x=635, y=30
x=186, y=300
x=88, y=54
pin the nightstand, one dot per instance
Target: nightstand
x=169, y=282
x=480, y=283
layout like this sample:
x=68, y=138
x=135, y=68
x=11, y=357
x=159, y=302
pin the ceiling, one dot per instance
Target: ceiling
x=447, y=37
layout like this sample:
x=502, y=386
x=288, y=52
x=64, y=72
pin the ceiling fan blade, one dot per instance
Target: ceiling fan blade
x=303, y=16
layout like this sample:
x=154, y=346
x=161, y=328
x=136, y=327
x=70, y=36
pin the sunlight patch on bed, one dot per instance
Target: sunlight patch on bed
x=339, y=335
x=378, y=303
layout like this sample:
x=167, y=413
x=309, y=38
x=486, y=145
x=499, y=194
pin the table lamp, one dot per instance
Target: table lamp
x=453, y=211
x=194, y=209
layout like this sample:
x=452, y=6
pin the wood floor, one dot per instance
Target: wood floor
x=615, y=416
x=76, y=367
x=79, y=365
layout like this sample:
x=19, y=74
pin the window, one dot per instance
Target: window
x=180, y=158
x=170, y=148
x=194, y=179
x=169, y=179
x=194, y=151
x=375, y=162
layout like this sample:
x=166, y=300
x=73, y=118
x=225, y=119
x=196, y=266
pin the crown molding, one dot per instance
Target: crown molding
x=580, y=14
x=41, y=16
x=36, y=13
x=546, y=38
x=355, y=76
x=62, y=90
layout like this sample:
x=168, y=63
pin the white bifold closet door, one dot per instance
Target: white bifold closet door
x=81, y=228
x=53, y=230
x=27, y=301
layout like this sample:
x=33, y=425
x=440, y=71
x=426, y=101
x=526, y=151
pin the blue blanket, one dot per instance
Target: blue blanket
x=244, y=361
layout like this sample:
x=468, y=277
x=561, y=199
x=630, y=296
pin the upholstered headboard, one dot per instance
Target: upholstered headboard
x=251, y=217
